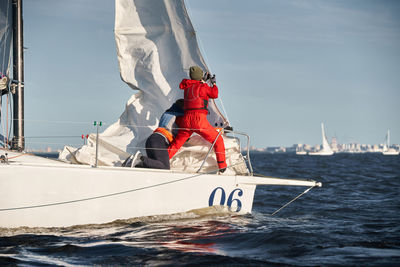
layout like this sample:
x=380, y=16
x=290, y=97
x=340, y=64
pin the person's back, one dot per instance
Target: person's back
x=196, y=96
x=157, y=143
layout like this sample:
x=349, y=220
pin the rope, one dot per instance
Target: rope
x=64, y=122
x=104, y=123
x=112, y=194
x=278, y=210
x=205, y=58
x=20, y=156
x=55, y=136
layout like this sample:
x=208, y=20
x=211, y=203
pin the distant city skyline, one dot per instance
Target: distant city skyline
x=283, y=67
x=337, y=148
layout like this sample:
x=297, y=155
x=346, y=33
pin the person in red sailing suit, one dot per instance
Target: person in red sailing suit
x=194, y=120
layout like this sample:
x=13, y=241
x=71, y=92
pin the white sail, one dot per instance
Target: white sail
x=387, y=150
x=325, y=145
x=156, y=45
x=386, y=143
x=326, y=148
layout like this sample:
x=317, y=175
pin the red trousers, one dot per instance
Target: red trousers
x=196, y=122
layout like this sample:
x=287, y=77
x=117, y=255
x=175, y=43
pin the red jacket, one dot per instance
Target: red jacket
x=197, y=94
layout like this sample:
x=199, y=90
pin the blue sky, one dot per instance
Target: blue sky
x=283, y=67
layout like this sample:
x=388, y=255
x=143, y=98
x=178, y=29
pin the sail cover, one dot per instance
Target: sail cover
x=5, y=36
x=156, y=45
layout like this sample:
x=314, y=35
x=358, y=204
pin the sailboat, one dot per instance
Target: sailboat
x=326, y=149
x=300, y=151
x=156, y=43
x=387, y=150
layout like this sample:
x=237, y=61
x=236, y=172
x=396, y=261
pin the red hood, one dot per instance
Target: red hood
x=186, y=83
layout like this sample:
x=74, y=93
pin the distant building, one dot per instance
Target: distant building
x=334, y=145
x=375, y=148
x=316, y=148
x=275, y=149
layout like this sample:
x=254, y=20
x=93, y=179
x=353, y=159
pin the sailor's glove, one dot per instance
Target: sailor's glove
x=213, y=80
x=228, y=128
x=206, y=76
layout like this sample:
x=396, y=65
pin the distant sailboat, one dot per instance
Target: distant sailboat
x=387, y=151
x=326, y=149
x=300, y=151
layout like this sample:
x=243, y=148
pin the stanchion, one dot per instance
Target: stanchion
x=97, y=140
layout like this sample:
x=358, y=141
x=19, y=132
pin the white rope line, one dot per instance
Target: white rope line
x=105, y=123
x=66, y=122
x=287, y=204
x=203, y=52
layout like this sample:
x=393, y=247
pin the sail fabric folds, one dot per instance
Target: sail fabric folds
x=156, y=45
x=5, y=36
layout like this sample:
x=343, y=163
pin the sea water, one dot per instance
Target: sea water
x=354, y=219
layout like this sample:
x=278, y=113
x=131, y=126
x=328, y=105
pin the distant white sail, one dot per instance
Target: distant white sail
x=325, y=145
x=387, y=150
x=326, y=148
x=386, y=143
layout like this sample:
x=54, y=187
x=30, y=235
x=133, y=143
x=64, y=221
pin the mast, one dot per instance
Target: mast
x=18, y=142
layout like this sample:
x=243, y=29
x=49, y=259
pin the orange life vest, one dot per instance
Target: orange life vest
x=165, y=132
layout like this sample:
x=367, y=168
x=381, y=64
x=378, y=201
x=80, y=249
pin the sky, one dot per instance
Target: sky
x=282, y=68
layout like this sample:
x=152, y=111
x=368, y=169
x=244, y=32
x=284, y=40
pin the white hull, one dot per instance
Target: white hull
x=321, y=153
x=391, y=152
x=56, y=194
x=301, y=152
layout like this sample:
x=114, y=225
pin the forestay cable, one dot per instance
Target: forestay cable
x=281, y=208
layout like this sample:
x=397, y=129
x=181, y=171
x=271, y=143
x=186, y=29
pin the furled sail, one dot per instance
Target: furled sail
x=5, y=37
x=156, y=45
x=5, y=55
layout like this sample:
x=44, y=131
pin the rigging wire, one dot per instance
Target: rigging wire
x=288, y=203
x=7, y=116
x=291, y=201
x=1, y=123
x=204, y=55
